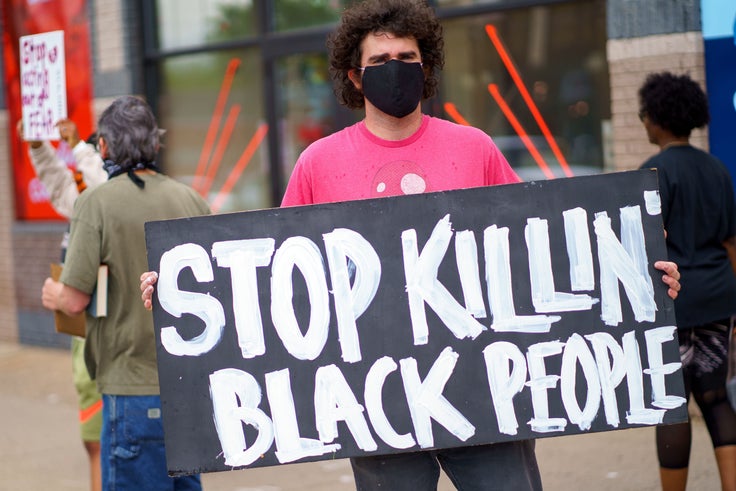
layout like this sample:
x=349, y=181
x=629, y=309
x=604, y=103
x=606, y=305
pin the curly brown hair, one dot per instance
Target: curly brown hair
x=402, y=18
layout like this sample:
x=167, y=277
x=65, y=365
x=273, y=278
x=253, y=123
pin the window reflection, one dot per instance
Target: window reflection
x=551, y=86
x=210, y=106
x=558, y=54
x=459, y=3
x=307, y=105
x=296, y=14
x=187, y=23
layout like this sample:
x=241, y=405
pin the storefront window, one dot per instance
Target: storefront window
x=210, y=106
x=537, y=72
x=308, y=109
x=297, y=14
x=189, y=23
x=547, y=107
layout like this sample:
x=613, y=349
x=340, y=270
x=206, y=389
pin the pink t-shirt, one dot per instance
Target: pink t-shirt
x=355, y=164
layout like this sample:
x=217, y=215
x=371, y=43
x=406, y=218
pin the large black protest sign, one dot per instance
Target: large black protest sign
x=416, y=322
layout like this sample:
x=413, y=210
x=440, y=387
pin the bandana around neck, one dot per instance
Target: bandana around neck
x=114, y=169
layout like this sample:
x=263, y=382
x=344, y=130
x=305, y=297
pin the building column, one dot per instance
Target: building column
x=646, y=36
x=630, y=61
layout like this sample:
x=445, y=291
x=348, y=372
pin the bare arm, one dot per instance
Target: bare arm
x=58, y=296
x=730, y=245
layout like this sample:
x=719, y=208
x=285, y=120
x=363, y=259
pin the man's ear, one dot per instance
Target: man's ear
x=102, y=144
x=355, y=76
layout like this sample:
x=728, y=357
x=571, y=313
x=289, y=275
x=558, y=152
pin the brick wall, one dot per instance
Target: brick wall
x=8, y=317
x=116, y=47
x=108, y=39
x=630, y=60
x=35, y=247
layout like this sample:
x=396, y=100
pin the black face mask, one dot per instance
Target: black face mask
x=394, y=87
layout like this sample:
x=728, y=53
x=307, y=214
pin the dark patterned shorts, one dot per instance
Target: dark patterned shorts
x=704, y=353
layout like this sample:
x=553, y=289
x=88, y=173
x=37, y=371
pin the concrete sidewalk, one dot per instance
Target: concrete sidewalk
x=40, y=447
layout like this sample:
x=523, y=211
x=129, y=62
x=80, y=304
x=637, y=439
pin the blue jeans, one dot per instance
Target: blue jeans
x=132, y=447
x=500, y=466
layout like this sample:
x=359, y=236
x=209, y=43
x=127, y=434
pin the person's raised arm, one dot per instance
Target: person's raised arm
x=53, y=173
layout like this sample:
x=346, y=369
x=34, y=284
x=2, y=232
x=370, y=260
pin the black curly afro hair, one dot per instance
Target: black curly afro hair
x=403, y=18
x=674, y=102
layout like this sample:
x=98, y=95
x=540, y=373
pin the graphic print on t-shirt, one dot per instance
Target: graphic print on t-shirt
x=397, y=178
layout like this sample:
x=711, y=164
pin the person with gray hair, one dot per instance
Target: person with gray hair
x=130, y=136
x=107, y=227
x=64, y=186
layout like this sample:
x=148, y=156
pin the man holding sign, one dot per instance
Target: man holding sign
x=385, y=56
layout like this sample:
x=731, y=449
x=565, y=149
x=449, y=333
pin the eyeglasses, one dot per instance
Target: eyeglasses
x=362, y=68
